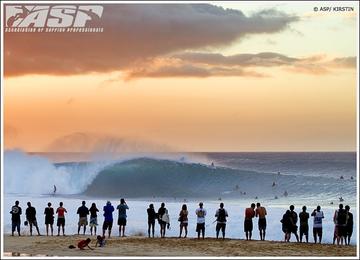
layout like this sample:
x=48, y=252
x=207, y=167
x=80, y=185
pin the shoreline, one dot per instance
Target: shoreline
x=58, y=246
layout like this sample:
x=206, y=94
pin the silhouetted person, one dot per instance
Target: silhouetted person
x=183, y=218
x=93, y=218
x=15, y=218
x=61, y=218
x=49, y=219
x=152, y=216
x=200, y=221
x=162, y=222
x=122, y=207
x=349, y=225
x=286, y=225
x=341, y=220
x=31, y=218
x=294, y=219
x=108, y=218
x=304, y=225
x=261, y=213
x=317, y=226
x=221, y=215
x=248, y=224
x=83, y=212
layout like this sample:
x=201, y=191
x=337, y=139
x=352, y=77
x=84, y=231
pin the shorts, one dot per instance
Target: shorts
x=349, y=231
x=162, y=223
x=93, y=222
x=83, y=221
x=49, y=220
x=342, y=231
x=262, y=223
x=317, y=231
x=107, y=224
x=221, y=226
x=122, y=221
x=33, y=222
x=151, y=222
x=60, y=222
x=184, y=224
x=248, y=225
x=200, y=227
x=15, y=225
x=304, y=229
x=293, y=229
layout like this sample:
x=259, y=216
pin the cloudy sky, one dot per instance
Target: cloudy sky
x=181, y=77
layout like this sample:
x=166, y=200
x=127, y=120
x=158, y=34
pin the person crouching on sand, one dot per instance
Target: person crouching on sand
x=84, y=243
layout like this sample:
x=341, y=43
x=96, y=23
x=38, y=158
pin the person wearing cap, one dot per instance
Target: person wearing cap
x=200, y=226
x=108, y=218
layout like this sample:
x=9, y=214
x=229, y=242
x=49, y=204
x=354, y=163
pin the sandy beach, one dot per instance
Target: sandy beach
x=190, y=247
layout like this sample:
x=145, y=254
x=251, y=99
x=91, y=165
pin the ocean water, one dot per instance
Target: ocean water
x=237, y=179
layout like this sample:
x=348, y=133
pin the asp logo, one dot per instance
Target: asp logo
x=20, y=16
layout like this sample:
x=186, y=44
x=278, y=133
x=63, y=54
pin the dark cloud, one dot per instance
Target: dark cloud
x=132, y=35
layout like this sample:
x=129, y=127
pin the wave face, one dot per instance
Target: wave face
x=145, y=177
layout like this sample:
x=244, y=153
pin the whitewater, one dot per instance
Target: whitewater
x=236, y=179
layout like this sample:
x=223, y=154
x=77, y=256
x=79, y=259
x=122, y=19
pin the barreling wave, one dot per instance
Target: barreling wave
x=146, y=177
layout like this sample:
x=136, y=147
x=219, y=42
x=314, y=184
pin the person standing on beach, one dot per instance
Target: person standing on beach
x=108, y=218
x=294, y=219
x=93, y=218
x=200, y=222
x=15, y=218
x=151, y=219
x=304, y=225
x=122, y=207
x=261, y=213
x=49, y=219
x=317, y=226
x=31, y=218
x=221, y=215
x=248, y=224
x=341, y=220
x=61, y=218
x=183, y=218
x=162, y=213
x=286, y=225
x=83, y=212
x=349, y=225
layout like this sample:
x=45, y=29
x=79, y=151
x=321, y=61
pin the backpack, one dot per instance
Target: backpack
x=222, y=216
x=341, y=217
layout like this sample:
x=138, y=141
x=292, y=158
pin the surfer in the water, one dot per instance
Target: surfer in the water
x=54, y=189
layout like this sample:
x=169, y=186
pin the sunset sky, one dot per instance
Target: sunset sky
x=180, y=77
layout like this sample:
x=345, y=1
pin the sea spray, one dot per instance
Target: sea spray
x=33, y=174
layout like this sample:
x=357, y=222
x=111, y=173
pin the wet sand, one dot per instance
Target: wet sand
x=189, y=247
